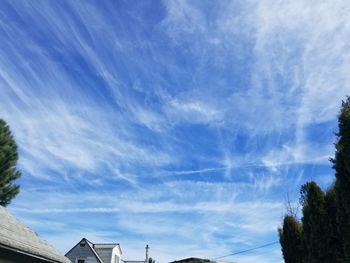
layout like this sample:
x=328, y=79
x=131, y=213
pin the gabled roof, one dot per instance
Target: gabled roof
x=102, y=252
x=90, y=246
x=16, y=236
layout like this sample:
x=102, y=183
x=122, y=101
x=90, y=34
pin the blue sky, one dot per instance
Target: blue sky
x=184, y=125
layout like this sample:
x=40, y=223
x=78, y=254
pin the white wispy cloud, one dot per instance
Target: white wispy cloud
x=187, y=172
x=162, y=220
x=182, y=129
x=193, y=112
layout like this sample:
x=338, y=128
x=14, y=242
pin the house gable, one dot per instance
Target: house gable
x=83, y=250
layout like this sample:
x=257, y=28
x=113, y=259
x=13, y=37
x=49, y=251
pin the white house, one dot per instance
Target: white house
x=88, y=252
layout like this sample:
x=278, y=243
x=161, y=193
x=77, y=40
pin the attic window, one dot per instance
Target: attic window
x=82, y=244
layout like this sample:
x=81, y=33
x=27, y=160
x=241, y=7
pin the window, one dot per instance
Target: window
x=81, y=261
x=82, y=244
x=116, y=259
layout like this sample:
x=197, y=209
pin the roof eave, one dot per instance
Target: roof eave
x=32, y=255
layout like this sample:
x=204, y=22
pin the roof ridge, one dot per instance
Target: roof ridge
x=87, y=241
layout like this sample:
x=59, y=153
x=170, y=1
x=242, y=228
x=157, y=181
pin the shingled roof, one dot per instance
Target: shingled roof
x=103, y=252
x=16, y=236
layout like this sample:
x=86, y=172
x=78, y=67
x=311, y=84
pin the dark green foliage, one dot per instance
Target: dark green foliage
x=341, y=164
x=314, y=223
x=290, y=240
x=8, y=160
x=326, y=217
x=333, y=240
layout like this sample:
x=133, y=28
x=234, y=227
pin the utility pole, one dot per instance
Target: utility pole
x=147, y=248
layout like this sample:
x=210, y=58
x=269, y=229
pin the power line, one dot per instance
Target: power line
x=247, y=250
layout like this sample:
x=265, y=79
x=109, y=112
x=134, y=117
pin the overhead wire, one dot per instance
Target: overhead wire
x=247, y=250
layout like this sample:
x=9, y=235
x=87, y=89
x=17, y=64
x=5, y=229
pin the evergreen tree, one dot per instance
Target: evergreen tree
x=290, y=239
x=314, y=223
x=8, y=160
x=341, y=164
x=325, y=235
x=333, y=240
